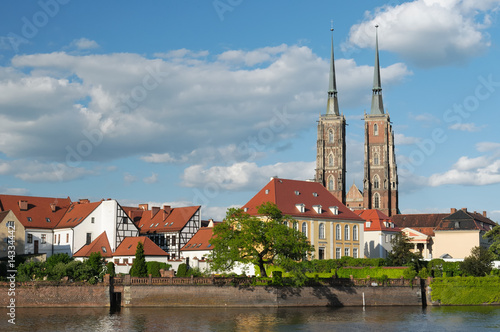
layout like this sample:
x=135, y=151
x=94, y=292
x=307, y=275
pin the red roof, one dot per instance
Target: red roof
x=422, y=222
x=199, y=241
x=76, y=213
x=100, y=244
x=35, y=212
x=129, y=245
x=287, y=194
x=378, y=221
x=166, y=219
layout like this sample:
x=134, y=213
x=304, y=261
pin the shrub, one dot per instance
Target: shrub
x=182, y=270
x=110, y=268
x=278, y=278
x=153, y=269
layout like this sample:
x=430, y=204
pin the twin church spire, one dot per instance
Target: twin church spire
x=380, y=180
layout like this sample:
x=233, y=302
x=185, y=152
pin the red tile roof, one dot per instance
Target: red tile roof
x=100, y=244
x=76, y=213
x=129, y=245
x=287, y=193
x=378, y=221
x=424, y=222
x=199, y=241
x=166, y=219
x=465, y=220
x=35, y=212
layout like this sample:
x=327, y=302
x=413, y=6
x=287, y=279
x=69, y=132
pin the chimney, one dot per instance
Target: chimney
x=484, y=214
x=453, y=210
x=464, y=209
x=167, y=209
x=154, y=210
x=144, y=207
x=84, y=201
x=53, y=207
x=23, y=205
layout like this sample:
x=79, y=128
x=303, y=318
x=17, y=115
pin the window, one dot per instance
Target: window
x=330, y=183
x=338, y=234
x=355, y=252
x=376, y=160
x=173, y=240
x=285, y=223
x=117, y=261
x=330, y=160
x=337, y=253
x=355, y=233
x=44, y=238
x=67, y=237
x=47, y=219
x=368, y=224
x=92, y=220
x=346, y=251
x=296, y=225
x=124, y=220
x=125, y=261
x=387, y=238
x=10, y=224
x=30, y=238
x=375, y=129
x=103, y=249
x=376, y=182
x=376, y=201
x=321, y=253
x=304, y=228
x=29, y=219
x=330, y=136
x=346, y=233
x=89, y=238
x=321, y=231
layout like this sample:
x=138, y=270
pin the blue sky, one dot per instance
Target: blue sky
x=201, y=102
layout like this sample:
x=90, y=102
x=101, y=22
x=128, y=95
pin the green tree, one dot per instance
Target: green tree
x=478, y=264
x=139, y=268
x=401, y=254
x=260, y=241
x=493, y=236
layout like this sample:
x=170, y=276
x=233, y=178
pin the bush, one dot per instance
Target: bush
x=110, y=269
x=409, y=274
x=277, y=278
x=153, y=269
x=182, y=270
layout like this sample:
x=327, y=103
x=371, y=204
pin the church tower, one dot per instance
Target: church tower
x=380, y=183
x=330, y=157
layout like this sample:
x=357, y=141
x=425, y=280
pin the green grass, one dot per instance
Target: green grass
x=466, y=290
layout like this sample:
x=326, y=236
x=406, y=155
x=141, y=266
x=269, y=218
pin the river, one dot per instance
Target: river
x=466, y=318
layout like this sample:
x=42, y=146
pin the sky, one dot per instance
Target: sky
x=202, y=102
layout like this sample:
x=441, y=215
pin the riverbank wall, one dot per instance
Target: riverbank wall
x=146, y=292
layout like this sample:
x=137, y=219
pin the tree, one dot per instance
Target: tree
x=401, y=254
x=493, y=236
x=139, y=268
x=478, y=264
x=260, y=241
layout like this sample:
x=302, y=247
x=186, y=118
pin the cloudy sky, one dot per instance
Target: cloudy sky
x=201, y=102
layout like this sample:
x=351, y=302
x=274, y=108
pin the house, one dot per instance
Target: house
x=84, y=221
x=333, y=229
x=461, y=231
x=100, y=244
x=11, y=234
x=124, y=255
x=379, y=232
x=39, y=216
x=169, y=228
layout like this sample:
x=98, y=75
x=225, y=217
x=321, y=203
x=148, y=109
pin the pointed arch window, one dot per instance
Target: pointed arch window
x=330, y=183
x=304, y=228
x=330, y=136
x=330, y=160
x=338, y=233
x=321, y=231
x=375, y=130
x=376, y=201
x=376, y=182
x=346, y=233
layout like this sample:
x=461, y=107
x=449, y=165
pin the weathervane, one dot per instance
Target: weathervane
x=331, y=25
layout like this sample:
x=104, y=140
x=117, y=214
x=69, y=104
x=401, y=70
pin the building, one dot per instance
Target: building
x=333, y=229
x=354, y=198
x=331, y=146
x=380, y=183
x=100, y=244
x=379, y=233
x=124, y=255
x=12, y=233
x=39, y=216
x=170, y=228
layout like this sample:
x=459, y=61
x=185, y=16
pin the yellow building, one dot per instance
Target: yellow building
x=333, y=229
x=11, y=234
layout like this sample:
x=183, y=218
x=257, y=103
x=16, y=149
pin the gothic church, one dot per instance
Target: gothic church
x=380, y=183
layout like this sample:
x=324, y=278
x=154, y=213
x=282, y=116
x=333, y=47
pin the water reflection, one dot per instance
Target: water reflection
x=255, y=319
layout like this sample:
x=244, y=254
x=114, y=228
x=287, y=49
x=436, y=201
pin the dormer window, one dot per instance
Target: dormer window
x=457, y=224
x=29, y=219
x=246, y=209
x=267, y=191
x=334, y=209
x=103, y=249
x=301, y=207
x=368, y=224
x=317, y=208
x=47, y=219
x=315, y=194
x=297, y=192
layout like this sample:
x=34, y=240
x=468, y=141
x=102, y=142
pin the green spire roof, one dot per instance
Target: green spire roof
x=332, y=106
x=377, y=104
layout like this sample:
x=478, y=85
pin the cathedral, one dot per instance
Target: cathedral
x=380, y=182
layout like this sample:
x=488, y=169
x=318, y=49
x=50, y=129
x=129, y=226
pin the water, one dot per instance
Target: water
x=480, y=318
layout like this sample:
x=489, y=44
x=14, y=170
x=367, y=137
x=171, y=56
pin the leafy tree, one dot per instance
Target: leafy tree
x=182, y=270
x=139, y=268
x=493, y=236
x=478, y=264
x=260, y=241
x=401, y=254
x=110, y=268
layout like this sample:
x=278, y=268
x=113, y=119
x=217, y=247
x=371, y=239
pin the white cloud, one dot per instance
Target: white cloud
x=470, y=127
x=129, y=178
x=35, y=171
x=13, y=191
x=245, y=175
x=151, y=179
x=84, y=44
x=401, y=139
x=428, y=32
